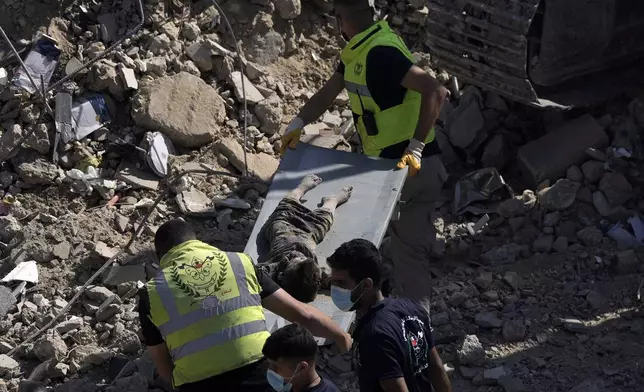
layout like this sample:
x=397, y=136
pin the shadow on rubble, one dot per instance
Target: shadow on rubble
x=22, y=19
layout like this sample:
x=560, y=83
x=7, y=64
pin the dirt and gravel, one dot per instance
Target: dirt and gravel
x=541, y=298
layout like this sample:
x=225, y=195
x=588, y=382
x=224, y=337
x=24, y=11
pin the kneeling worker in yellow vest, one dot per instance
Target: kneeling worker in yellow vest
x=202, y=317
x=395, y=105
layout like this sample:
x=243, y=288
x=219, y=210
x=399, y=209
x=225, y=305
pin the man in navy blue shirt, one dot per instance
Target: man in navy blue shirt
x=395, y=346
x=291, y=356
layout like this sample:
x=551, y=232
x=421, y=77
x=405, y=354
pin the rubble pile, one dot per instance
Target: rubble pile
x=539, y=278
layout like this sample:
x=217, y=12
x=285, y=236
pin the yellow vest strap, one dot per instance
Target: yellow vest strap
x=211, y=306
x=218, y=338
x=358, y=89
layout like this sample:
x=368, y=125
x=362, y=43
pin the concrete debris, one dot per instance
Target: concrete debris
x=495, y=153
x=488, y=320
x=261, y=165
x=253, y=96
x=517, y=205
x=550, y=156
x=616, y=188
x=182, y=107
x=590, y=236
x=8, y=366
x=560, y=196
x=514, y=330
x=50, y=346
x=502, y=255
x=471, y=352
x=626, y=262
x=269, y=113
x=195, y=203
x=593, y=171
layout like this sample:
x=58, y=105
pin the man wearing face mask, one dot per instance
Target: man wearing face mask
x=395, y=105
x=291, y=355
x=395, y=346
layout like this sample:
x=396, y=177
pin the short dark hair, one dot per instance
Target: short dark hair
x=360, y=258
x=171, y=234
x=291, y=342
x=302, y=281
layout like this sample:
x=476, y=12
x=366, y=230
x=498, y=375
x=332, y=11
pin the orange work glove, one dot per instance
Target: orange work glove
x=412, y=157
x=292, y=134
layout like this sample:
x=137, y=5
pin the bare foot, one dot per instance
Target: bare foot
x=309, y=182
x=341, y=197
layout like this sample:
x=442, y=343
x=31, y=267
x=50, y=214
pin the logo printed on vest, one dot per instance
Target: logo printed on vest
x=201, y=278
x=357, y=69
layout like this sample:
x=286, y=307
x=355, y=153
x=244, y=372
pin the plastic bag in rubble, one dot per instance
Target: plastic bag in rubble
x=40, y=63
x=159, y=148
x=480, y=191
x=89, y=114
x=82, y=182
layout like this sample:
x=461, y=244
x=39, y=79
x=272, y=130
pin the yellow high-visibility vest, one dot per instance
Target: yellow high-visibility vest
x=395, y=124
x=207, y=306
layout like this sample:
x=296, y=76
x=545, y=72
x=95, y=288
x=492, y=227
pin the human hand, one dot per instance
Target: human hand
x=412, y=157
x=292, y=134
x=343, y=345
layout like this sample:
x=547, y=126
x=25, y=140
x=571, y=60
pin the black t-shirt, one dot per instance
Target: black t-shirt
x=323, y=386
x=386, y=69
x=253, y=374
x=394, y=339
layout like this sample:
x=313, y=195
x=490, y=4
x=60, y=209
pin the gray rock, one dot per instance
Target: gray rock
x=626, y=262
x=514, y=330
x=470, y=352
x=38, y=138
x=50, y=346
x=183, y=107
x=37, y=172
x=133, y=383
x=593, y=171
x=494, y=101
x=439, y=319
x=616, y=188
x=488, y=320
x=551, y=219
x=9, y=141
x=99, y=293
x=574, y=174
x=269, y=114
x=502, y=254
x=201, y=53
x=585, y=195
x=77, y=385
x=104, y=314
x=495, y=153
x=288, y=9
x=266, y=49
x=511, y=384
x=159, y=44
x=560, y=245
x=62, y=250
x=596, y=300
x=121, y=222
x=469, y=373
x=560, y=196
x=467, y=130
x=156, y=66
x=127, y=342
x=490, y=296
x=89, y=355
x=589, y=386
x=8, y=366
x=601, y=204
x=516, y=206
x=492, y=376
x=484, y=280
x=69, y=325
x=261, y=165
x=590, y=236
x=9, y=228
x=191, y=31
x=253, y=96
x=512, y=279
x=543, y=244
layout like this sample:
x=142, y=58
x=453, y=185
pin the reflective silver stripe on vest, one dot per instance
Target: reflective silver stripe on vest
x=211, y=307
x=356, y=88
x=217, y=338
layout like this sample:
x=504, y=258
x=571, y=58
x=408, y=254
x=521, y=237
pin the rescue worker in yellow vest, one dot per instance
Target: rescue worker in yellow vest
x=395, y=105
x=202, y=317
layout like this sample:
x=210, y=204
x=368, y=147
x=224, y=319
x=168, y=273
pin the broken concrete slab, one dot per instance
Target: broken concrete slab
x=129, y=173
x=326, y=140
x=195, y=203
x=261, y=165
x=119, y=274
x=182, y=107
x=253, y=96
x=128, y=78
x=109, y=27
x=549, y=157
x=467, y=131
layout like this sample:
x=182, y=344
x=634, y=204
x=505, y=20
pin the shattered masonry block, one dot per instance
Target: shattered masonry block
x=550, y=156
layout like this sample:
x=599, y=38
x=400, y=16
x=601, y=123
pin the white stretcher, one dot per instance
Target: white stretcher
x=376, y=190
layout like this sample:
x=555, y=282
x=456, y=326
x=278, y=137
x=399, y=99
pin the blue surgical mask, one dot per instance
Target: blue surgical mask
x=342, y=297
x=277, y=382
